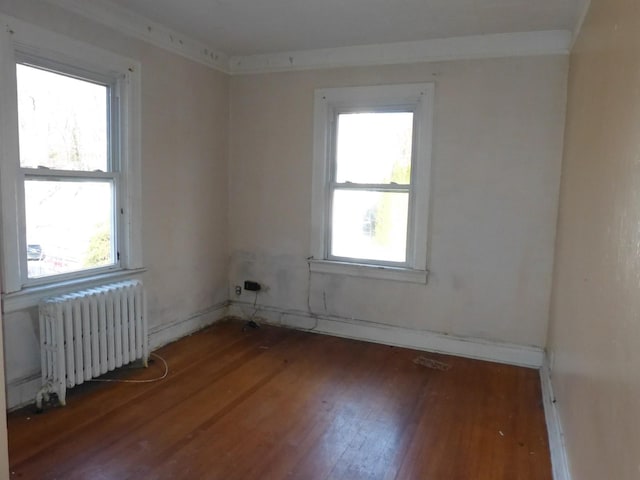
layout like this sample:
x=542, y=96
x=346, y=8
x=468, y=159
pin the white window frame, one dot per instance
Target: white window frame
x=25, y=43
x=328, y=103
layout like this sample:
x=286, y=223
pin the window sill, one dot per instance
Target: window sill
x=369, y=271
x=30, y=296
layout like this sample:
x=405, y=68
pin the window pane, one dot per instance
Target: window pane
x=374, y=147
x=62, y=121
x=370, y=225
x=69, y=226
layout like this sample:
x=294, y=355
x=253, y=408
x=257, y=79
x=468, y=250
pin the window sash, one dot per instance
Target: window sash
x=368, y=188
x=378, y=187
x=333, y=185
x=112, y=175
x=111, y=82
x=68, y=174
x=29, y=174
x=333, y=136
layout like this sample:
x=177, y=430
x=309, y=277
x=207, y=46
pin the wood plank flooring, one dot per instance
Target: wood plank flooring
x=274, y=403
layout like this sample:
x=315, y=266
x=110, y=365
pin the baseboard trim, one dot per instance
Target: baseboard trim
x=479, y=349
x=557, y=448
x=163, y=334
x=22, y=391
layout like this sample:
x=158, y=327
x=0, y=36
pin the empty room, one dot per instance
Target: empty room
x=320, y=239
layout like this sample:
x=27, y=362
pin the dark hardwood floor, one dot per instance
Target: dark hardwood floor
x=275, y=403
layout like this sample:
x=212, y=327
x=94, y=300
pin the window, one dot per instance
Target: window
x=70, y=166
x=371, y=181
x=69, y=171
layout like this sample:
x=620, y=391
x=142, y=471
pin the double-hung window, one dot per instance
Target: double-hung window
x=69, y=171
x=70, y=166
x=371, y=181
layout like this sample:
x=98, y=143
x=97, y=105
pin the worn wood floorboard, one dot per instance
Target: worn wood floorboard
x=275, y=403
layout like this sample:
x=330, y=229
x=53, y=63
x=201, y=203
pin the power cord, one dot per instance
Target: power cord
x=251, y=323
x=157, y=379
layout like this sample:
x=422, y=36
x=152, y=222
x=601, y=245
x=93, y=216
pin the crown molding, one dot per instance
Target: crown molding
x=139, y=27
x=552, y=42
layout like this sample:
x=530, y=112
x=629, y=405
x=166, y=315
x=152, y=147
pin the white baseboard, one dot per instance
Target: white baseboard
x=22, y=391
x=162, y=334
x=559, y=460
x=511, y=354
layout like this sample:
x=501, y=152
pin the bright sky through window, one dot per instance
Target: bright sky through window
x=371, y=190
x=374, y=147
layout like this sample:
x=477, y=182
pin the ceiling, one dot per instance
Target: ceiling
x=246, y=27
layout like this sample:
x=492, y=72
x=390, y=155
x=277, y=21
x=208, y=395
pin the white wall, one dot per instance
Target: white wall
x=185, y=112
x=496, y=171
x=594, y=335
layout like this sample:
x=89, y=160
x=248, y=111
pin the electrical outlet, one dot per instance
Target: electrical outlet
x=252, y=286
x=238, y=290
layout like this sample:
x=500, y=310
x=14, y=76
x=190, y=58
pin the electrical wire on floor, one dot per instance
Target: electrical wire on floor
x=255, y=308
x=251, y=323
x=151, y=380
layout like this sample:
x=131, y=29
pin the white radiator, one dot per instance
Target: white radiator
x=88, y=333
